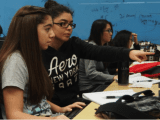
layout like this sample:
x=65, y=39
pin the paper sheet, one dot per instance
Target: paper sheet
x=141, y=81
x=100, y=97
x=142, y=84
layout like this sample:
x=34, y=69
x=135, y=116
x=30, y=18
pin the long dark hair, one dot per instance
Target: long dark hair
x=56, y=9
x=122, y=38
x=97, y=30
x=22, y=35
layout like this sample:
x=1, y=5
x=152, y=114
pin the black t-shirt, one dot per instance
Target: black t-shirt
x=62, y=65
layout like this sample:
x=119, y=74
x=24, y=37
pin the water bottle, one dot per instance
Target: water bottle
x=123, y=73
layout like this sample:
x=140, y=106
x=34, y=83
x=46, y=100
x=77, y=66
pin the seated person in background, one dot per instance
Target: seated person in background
x=91, y=72
x=123, y=39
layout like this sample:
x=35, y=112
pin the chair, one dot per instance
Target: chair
x=1, y=38
x=1, y=114
x=1, y=43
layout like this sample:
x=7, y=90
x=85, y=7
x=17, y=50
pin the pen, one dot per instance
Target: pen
x=145, y=81
x=112, y=97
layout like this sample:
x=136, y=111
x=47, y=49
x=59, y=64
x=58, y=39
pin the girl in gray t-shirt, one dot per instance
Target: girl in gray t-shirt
x=26, y=87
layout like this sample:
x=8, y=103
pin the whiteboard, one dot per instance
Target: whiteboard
x=138, y=16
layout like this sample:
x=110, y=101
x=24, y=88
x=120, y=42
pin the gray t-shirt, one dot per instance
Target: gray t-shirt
x=92, y=73
x=15, y=73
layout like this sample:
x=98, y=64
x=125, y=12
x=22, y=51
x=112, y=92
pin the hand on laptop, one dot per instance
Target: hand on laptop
x=74, y=105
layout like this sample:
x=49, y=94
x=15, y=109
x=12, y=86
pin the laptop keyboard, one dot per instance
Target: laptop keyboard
x=73, y=113
x=76, y=111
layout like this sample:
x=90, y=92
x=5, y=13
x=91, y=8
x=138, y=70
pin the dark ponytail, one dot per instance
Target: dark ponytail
x=50, y=4
x=56, y=9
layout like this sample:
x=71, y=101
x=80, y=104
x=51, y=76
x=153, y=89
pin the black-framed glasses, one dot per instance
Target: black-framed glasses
x=109, y=31
x=65, y=25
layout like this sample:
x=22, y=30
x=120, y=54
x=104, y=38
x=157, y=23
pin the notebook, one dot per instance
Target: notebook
x=100, y=97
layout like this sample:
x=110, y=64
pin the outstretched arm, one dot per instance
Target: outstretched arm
x=139, y=55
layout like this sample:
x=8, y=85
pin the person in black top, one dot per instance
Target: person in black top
x=123, y=39
x=61, y=59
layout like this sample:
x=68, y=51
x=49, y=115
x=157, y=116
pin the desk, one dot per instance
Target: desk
x=89, y=113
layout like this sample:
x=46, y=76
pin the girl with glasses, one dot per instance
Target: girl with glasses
x=61, y=59
x=94, y=73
